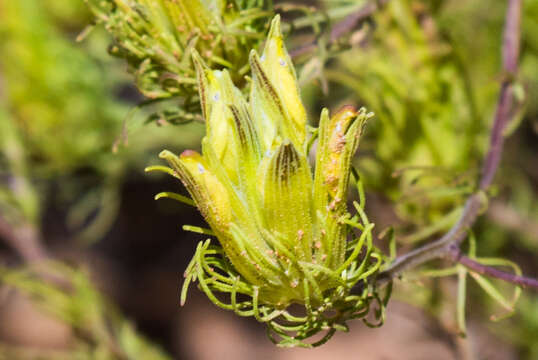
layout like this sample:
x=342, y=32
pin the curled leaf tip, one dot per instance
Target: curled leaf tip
x=165, y=154
x=253, y=55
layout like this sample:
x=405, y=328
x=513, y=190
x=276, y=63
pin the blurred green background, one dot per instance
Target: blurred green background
x=430, y=70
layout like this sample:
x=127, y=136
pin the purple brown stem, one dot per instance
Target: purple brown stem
x=343, y=27
x=448, y=246
x=455, y=255
x=510, y=56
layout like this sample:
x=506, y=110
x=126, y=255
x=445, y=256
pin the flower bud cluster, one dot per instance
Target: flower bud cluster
x=285, y=236
x=157, y=38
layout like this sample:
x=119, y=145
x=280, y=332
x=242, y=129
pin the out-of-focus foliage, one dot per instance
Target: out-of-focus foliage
x=57, y=117
x=459, y=22
x=430, y=123
x=433, y=100
x=430, y=71
x=67, y=293
x=48, y=96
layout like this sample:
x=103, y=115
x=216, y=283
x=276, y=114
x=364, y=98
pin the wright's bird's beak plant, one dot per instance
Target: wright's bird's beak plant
x=288, y=251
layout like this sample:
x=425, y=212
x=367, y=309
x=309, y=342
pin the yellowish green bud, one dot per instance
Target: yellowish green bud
x=285, y=234
x=208, y=193
x=275, y=99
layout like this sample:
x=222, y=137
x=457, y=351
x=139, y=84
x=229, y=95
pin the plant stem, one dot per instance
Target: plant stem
x=525, y=282
x=510, y=55
x=440, y=247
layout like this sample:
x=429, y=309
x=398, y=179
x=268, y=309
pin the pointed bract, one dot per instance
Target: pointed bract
x=287, y=199
x=208, y=193
x=280, y=71
x=275, y=99
x=217, y=94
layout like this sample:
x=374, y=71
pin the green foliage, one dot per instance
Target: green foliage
x=57, y=117
x=68, y=293
x=54, y=117
x=431, y=127
x=432, y=80
x=47, y=96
